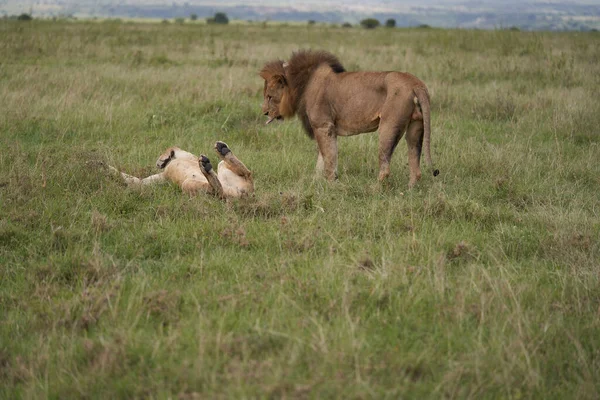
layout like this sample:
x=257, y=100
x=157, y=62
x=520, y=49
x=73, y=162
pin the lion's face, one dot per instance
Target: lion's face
x=273, y=93
x=166, y=157
x=278, y=101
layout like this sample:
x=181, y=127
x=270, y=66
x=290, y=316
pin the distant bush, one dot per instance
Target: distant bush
x=193, y=17
x=165, y=21
x=424, y=26
x=312, y=22
x=346, y=25
x=390, y=23
x=180, y=20
x=369, y=23
x=219, y=18
x=24, y=17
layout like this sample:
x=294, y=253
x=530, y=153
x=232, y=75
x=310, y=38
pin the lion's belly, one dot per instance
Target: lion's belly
x=181, y=170
x=358, y=113
x=355, y=127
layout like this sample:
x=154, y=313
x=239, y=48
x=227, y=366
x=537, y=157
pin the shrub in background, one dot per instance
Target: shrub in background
x=219, y=18
x=369, y=23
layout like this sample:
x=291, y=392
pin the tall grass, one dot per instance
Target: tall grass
x=481, y=282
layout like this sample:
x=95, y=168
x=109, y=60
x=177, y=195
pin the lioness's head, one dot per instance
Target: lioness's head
x=166, y=157
x=277, y=102
x=173, y=153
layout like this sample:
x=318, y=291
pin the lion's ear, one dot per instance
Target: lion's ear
x=280, y=79
x=172, y=154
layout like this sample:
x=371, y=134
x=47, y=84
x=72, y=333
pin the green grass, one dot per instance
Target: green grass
x=481, y=282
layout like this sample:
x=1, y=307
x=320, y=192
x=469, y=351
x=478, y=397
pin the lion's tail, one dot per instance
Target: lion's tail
x=423, y=97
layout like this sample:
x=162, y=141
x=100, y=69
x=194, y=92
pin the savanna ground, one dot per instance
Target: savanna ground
x=481, y=282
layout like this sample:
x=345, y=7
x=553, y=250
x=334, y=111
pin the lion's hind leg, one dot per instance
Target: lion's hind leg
x=211, y=176
x=390, y=132
x=395, y=118
x=414, y=140
x=233, y=163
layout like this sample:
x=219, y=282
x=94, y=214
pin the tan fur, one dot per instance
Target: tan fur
x=331, y=102
x=232, y=178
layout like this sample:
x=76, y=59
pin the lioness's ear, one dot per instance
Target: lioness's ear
x=172, y=154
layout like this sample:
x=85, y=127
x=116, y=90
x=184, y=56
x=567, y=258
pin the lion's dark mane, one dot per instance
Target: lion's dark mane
x=298, y=72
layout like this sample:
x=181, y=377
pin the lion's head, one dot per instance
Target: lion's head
x=173, y=153
x=166, y=157
x=277, y=101
x=285, y=83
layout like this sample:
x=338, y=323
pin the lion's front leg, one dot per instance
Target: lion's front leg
x=134, y=181
x=153, y=179
x=320, y=163
x=128, y=179
x=328, y=152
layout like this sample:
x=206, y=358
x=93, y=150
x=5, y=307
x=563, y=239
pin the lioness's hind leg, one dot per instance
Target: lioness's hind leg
x=211, y=176
x=234, y=164
x=414, y=139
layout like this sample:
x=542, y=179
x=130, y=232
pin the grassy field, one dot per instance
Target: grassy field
x=483, y=282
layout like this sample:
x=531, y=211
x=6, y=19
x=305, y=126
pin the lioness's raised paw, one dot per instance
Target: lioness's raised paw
x=222, y=149
x=205, y=164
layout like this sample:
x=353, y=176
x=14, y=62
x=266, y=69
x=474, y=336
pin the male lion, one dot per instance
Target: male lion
x=331, y=102
x=195, y=174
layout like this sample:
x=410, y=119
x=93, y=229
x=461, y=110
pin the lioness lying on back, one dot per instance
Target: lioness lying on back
x=193, y=174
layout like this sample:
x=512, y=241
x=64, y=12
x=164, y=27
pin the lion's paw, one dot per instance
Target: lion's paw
x=222, y=149
x=205, y=164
